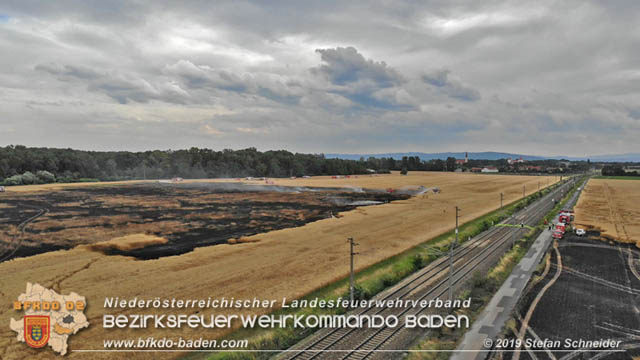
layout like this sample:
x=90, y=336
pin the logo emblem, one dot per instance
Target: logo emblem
x=36, y=330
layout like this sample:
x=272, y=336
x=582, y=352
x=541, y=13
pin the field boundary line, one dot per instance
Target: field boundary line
x=532, y=308
x=535, y=335
x=632, y=264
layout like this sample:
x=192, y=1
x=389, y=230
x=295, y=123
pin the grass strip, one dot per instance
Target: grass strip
x=370, y=281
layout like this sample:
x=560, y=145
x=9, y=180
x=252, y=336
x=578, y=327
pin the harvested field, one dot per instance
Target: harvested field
x=611, y=207
x=467, y=182
x=289, y=262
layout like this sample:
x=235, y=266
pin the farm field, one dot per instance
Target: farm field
x=612, y=207
x=283, y=261
x=180, y=216
x=591, y=292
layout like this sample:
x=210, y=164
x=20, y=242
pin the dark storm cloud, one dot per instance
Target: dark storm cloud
x=365, y=82
x=284, y=74
x=346, y=66
x=452, y=87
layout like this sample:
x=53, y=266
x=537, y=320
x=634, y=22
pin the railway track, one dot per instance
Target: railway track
x=379, y=337
x=436, y=269
x=8, y=252
x=429, y=283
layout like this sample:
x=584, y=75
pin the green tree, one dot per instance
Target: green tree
x=45, y=177
x=13, y=180
x=451, y=164
x=28, y=178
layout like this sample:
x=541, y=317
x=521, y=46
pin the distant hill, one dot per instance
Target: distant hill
x=631, y=157
x=489, y=155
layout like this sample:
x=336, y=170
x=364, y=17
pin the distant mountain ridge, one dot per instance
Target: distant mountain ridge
x=488, y=155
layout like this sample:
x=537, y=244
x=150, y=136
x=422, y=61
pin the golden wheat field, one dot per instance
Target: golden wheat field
x=284, y=263
x=613, y=207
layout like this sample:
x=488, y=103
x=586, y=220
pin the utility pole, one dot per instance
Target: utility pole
x=515, y=231
x=451, y=248
x=501, y=198
x=523, y=188
x=352, y=278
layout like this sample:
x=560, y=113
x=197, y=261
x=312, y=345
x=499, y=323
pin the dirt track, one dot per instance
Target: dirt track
x=289, y=262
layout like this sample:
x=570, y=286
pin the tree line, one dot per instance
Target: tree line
x=28, y=165
x=617, y=170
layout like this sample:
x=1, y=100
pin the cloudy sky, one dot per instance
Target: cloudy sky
x=536, y=77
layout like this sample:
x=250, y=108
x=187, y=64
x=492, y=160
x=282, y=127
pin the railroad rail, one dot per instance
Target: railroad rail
x=427, y=284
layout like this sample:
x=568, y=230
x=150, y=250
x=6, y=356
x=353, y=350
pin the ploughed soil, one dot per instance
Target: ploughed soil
x=596, y=296
x=186, y=215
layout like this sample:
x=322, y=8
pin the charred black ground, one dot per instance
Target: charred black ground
x=187, y=215
x=596, y=297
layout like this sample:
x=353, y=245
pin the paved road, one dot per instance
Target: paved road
x=492, y=319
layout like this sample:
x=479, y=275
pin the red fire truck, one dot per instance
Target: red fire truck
x=568, y=213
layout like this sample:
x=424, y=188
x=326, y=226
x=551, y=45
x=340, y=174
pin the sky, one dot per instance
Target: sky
x=532, y=77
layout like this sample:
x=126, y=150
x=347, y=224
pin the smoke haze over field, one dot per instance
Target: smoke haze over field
x=541, y=78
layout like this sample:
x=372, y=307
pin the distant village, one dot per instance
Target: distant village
x=518, y=165
x=507, y=165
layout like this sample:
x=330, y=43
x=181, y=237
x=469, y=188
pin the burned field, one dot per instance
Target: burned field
x=591, y=291
x=177, y=217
